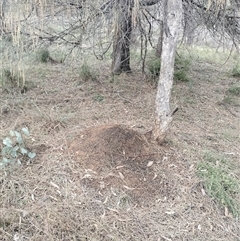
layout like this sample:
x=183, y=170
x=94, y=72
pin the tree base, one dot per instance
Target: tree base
x=160, y=130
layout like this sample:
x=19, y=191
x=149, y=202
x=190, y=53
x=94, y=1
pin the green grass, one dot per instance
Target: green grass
x=154, y=66
x=236, y=71
x=43, y=55
x=181, y=68
x=219, y=181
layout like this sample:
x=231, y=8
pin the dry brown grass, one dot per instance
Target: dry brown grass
x=63, y=197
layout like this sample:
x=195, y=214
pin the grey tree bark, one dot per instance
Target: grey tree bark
x=160, y=40
x=2, y=17
x=171, y=32
x=122, y=32
x=122, y=35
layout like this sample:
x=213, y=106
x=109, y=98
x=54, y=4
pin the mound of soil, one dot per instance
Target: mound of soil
x=117, y=157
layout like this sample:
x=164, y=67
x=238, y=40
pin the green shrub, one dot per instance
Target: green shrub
x=14, y=149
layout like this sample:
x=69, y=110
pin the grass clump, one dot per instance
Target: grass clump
x=44, y=56
x=219, y=182
x=154, y=66
x=13, y=79
x=181, y=68
x=234, y=90
x=236, y=71
x=86, y=73
x=232, y=95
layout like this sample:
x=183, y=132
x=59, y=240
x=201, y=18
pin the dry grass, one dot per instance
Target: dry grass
x=58, y=197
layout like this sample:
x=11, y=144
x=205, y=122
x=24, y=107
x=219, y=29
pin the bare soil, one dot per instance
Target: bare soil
x=96, y=175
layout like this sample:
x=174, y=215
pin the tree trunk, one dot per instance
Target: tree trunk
x=122, y=35
x=172, y=26
x=2, y=17
x=160, y=40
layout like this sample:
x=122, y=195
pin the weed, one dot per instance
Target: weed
x=236, y=71
x=14, y=150
x=218, y=181
x=86, y=73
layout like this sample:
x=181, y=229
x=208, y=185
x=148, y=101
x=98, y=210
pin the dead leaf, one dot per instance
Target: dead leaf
x=150, y=163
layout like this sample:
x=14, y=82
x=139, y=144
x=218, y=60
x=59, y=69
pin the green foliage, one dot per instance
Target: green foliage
x=181, y=68
x=234, y=90
x=218, y=181
x=236, y=71
x=181, y=75
x=86, y=73
x=154, y=66
x=14, y=149
x=44, y=56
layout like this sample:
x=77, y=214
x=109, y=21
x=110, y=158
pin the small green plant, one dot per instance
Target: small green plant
x=236, y=71
x=44, y=56
x=86, y=73
x=218, y=181
x=14, y=148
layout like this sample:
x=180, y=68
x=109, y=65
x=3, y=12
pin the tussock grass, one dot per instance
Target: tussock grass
x=181, y=67
x=43, y=55
x=86, y=73
x=219, y=181
x=236, y=71
x=234, y=90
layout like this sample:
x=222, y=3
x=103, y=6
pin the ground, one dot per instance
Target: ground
x=97, y=176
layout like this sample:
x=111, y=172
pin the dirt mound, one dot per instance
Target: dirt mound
x=111, y=142
x=115, y=156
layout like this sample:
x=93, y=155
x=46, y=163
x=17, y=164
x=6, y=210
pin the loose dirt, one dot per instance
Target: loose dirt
x=121, y=156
